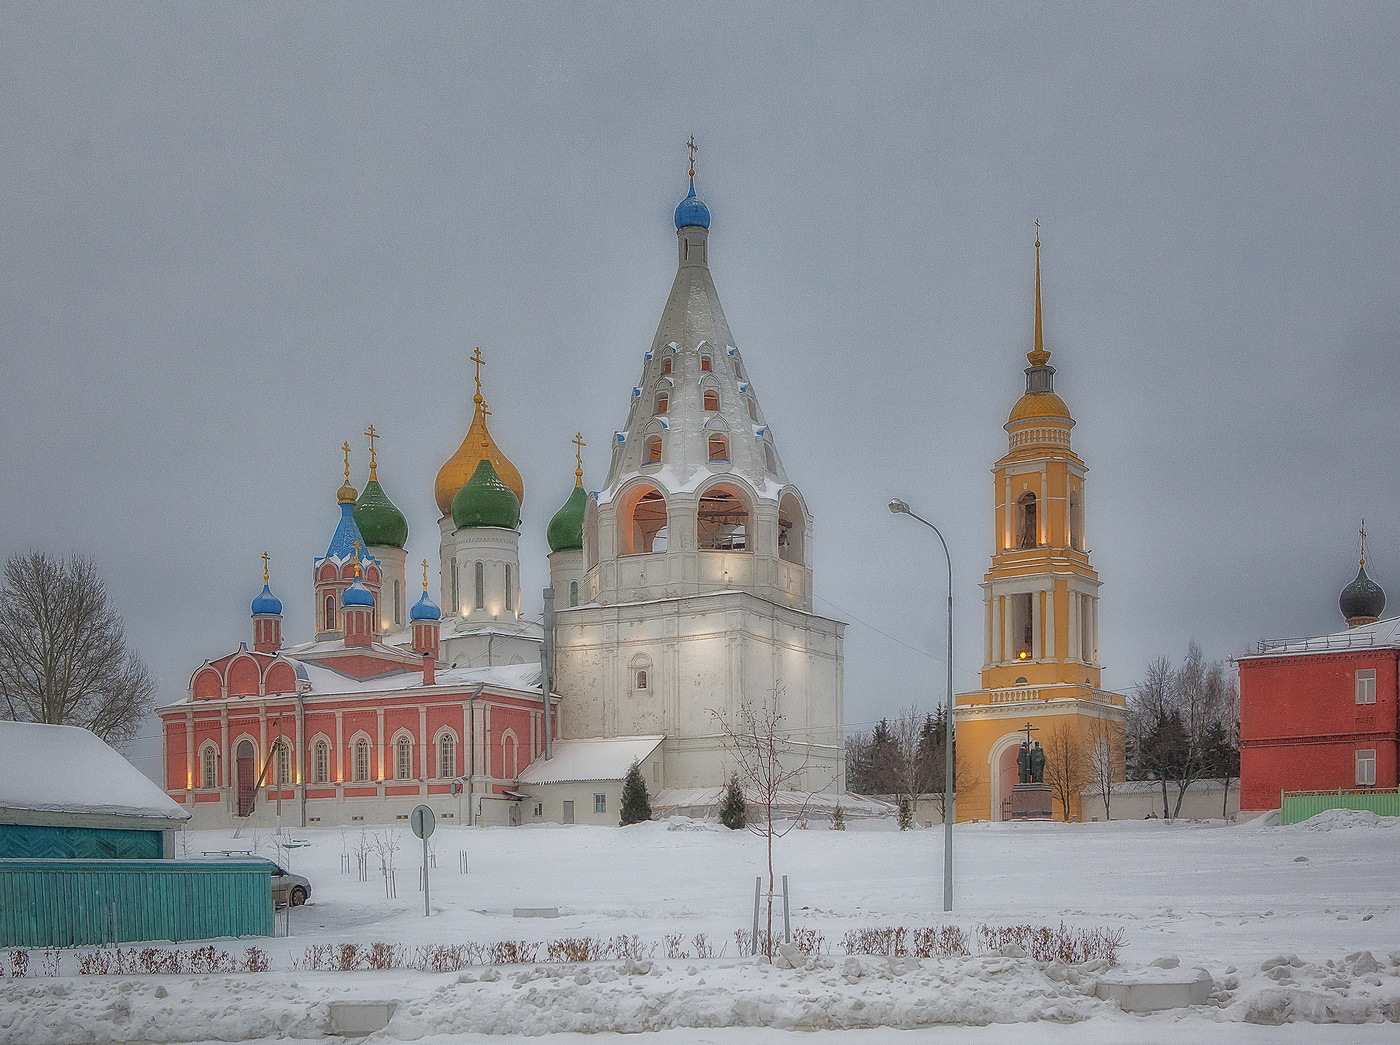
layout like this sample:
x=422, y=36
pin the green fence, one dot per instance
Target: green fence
x=67, y=903
x=1299, y=805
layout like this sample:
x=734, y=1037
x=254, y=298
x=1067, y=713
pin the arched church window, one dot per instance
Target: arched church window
x=209, y=767
x=510, y=590
x=753, y=408
x=641, y=672
x=642, y=679
x=398, y=603
x=711, y=400
x=1076, y=522
x=654, y=450
x=573, y=593
x=662, y=402
x=447, y=756
x=770, y=459
x=321, y=762
x=403, y=759
x=1020, y=681
x=456, y=604
x=722, y=522
x=719, y=448
x=283, y=763
x=330, y=612
x=641, y=521
x=480, y=585
x=666, y=365
x=1023, y=625
x=361, y=761
x=1026, y=534
x=792, y=530
x=510, y=756
x=704, y=363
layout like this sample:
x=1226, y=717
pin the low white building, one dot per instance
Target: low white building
x=582, y=782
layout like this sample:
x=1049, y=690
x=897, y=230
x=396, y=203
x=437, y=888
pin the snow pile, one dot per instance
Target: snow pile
x=1342, y=819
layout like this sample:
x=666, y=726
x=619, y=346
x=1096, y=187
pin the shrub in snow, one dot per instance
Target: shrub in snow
x=906, y=814
x=732, y=813
x=636, y=803
x=838, y=818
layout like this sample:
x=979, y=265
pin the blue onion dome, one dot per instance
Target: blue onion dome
x=565, y=531
x=691, y=211
x=1362, y=600
x=357, y=595
x=267, y=603
x=424, y=609
x=379, y=521
x=484, y=500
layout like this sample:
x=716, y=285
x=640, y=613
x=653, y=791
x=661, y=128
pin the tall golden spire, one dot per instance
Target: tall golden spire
x=578, y=457
x=373, y=435
x=1038, y=356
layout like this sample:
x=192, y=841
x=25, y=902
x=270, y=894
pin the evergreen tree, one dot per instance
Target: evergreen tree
x=636, y=803
x=906, y=813
x=838, y=818
x=732, y=813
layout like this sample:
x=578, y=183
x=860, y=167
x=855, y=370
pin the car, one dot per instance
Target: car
x=288, y=889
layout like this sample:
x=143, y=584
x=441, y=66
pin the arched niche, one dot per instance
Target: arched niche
x=792, y=529
x=641, y=520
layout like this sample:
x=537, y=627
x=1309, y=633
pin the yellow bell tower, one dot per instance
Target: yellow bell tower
x=1040, y=629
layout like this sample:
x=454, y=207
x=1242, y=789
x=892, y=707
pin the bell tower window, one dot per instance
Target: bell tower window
x=480, y=585
x=654, y=450
x=666, y=366
x=719, y=448
x=641, y=522
x=1022, y=626
x=510, y=593
x=662, y=402
x=722, y=524
x=704, y=363
x=330, y=613
x=1026, y=535
x=1076, y=522
x=711, y=400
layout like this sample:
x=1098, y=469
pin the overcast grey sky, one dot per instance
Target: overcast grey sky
x=232, y=236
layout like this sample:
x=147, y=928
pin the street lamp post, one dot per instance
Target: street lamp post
x=899, y=507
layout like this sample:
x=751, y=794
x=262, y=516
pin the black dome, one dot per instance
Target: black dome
x=1362, y=598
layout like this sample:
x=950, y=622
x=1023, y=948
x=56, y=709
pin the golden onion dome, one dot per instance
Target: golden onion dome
x=347, y=494
x=1038, y=405
x=478, y=446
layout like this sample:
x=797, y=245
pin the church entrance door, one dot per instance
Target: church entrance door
x=247, y=777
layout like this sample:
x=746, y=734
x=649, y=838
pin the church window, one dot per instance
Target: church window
x=1020, y=680
x=282, y=763
x=1026, y=535
x=641, y=521
x=719, y=448
x=447, y=755
x=1086, y=641
x=330, y=612
x=321, y=762
x=770, y=459
x=666, y=366
x=722, y=522
x=704, y=363
x=361, y=763
x=1366, y=686
x=737, y=371
x=209, y=768
x=753, y=408
x=398, y=604
x=1366, y=767
x=711, y=400
x=456, y=606
x=1076, y=522
x=403, y=759
x=1022, y=625
x=654, y=450
x=573, y=593
x=510, y=594
x=510, y=756
x=662, y=402
x=641, y=672
x=480, y=585
x=792, y=530
x=642, y=679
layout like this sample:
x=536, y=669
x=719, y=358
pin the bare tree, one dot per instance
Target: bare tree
x=1150, y=726
x=1064, y=765
x=63, y=653
x=771, y=767
x=916, y=765
x=1104, y=759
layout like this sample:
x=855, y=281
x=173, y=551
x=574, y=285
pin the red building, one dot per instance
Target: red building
x=1323, y=713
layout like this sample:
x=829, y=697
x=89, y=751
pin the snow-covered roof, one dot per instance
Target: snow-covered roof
x=64, y=769
x=1381, y=634
x=590, y=759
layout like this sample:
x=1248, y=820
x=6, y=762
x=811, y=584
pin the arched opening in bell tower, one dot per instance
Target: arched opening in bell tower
x=722, y=522
x=1026, y=535
x=792, y=530
x=1076, y=522
x=641, y=521
x=1023, y=626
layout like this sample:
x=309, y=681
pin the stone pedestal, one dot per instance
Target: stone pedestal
x=1031, y=802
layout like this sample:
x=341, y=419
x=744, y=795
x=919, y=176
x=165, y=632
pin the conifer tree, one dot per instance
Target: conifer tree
x=838, y=818
x=906, y=813
x=732, y=813
x=636, y=803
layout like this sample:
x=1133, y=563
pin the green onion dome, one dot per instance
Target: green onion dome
x=565, y=531
x=484, y=500
x=379, y=521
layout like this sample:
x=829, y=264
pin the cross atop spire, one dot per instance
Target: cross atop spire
x=693, y=150
x=1038, y=356
x=1363, y=542
x=373, y=435
x=266, y=575
x=346, y=447
x=480, y=362
x=356, y=545
x=425, y=575
x=578, y=457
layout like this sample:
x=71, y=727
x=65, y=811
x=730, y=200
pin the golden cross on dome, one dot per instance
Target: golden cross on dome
x=265, y=573
x=485, y=411
x=356, y=545
x=476, y=358
x=1363, y=542
x=578, y=456
x=373, y=435
x=346, y=448
x=1037, y=232
x=693, y=149
x=425, y=574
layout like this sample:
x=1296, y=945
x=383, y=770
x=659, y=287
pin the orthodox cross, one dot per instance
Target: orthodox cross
x=1028, y=729
x=476, y=358
x=425, y=574
x=1363, y=542
x=373, y=435
x=356, y=545
x=265, y=573
x=693, y=150
x=1037, y=232
x=578, y=456
x=346, y=448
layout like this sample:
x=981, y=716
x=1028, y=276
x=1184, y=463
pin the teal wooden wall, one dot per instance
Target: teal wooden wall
x=1300, y=805
x=68, y=903
x=32, y=841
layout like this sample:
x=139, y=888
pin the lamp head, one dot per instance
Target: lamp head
x=899, y=507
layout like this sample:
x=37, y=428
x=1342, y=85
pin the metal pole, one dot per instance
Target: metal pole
x=787, y=918
x=757, y=892
x=547, y=668
x=280, y=781
x=425, y=874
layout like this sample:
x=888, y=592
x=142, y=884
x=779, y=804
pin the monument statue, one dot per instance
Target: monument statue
x=1037, y=764
x=1023, y=764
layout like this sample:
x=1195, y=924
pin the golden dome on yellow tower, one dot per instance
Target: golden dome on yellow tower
x=476, y=447
x=1038, y=404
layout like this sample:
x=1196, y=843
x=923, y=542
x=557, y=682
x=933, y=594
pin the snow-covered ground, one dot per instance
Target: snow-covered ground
x=1297, y=925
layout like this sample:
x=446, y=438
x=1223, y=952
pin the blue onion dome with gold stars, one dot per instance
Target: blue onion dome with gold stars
x=267, y=603
x=357, y=594
x=424, y=609
x=691, y=211
x=484, y=500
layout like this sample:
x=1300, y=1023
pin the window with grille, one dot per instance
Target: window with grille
x=403, y=759
x=481, y=585
x=1366, y=686
x=1366, y=767
x=209, y=774
x=284, y=763
x=362, y=760
x=447, y=756
x=322, y=762
x=510, y=590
